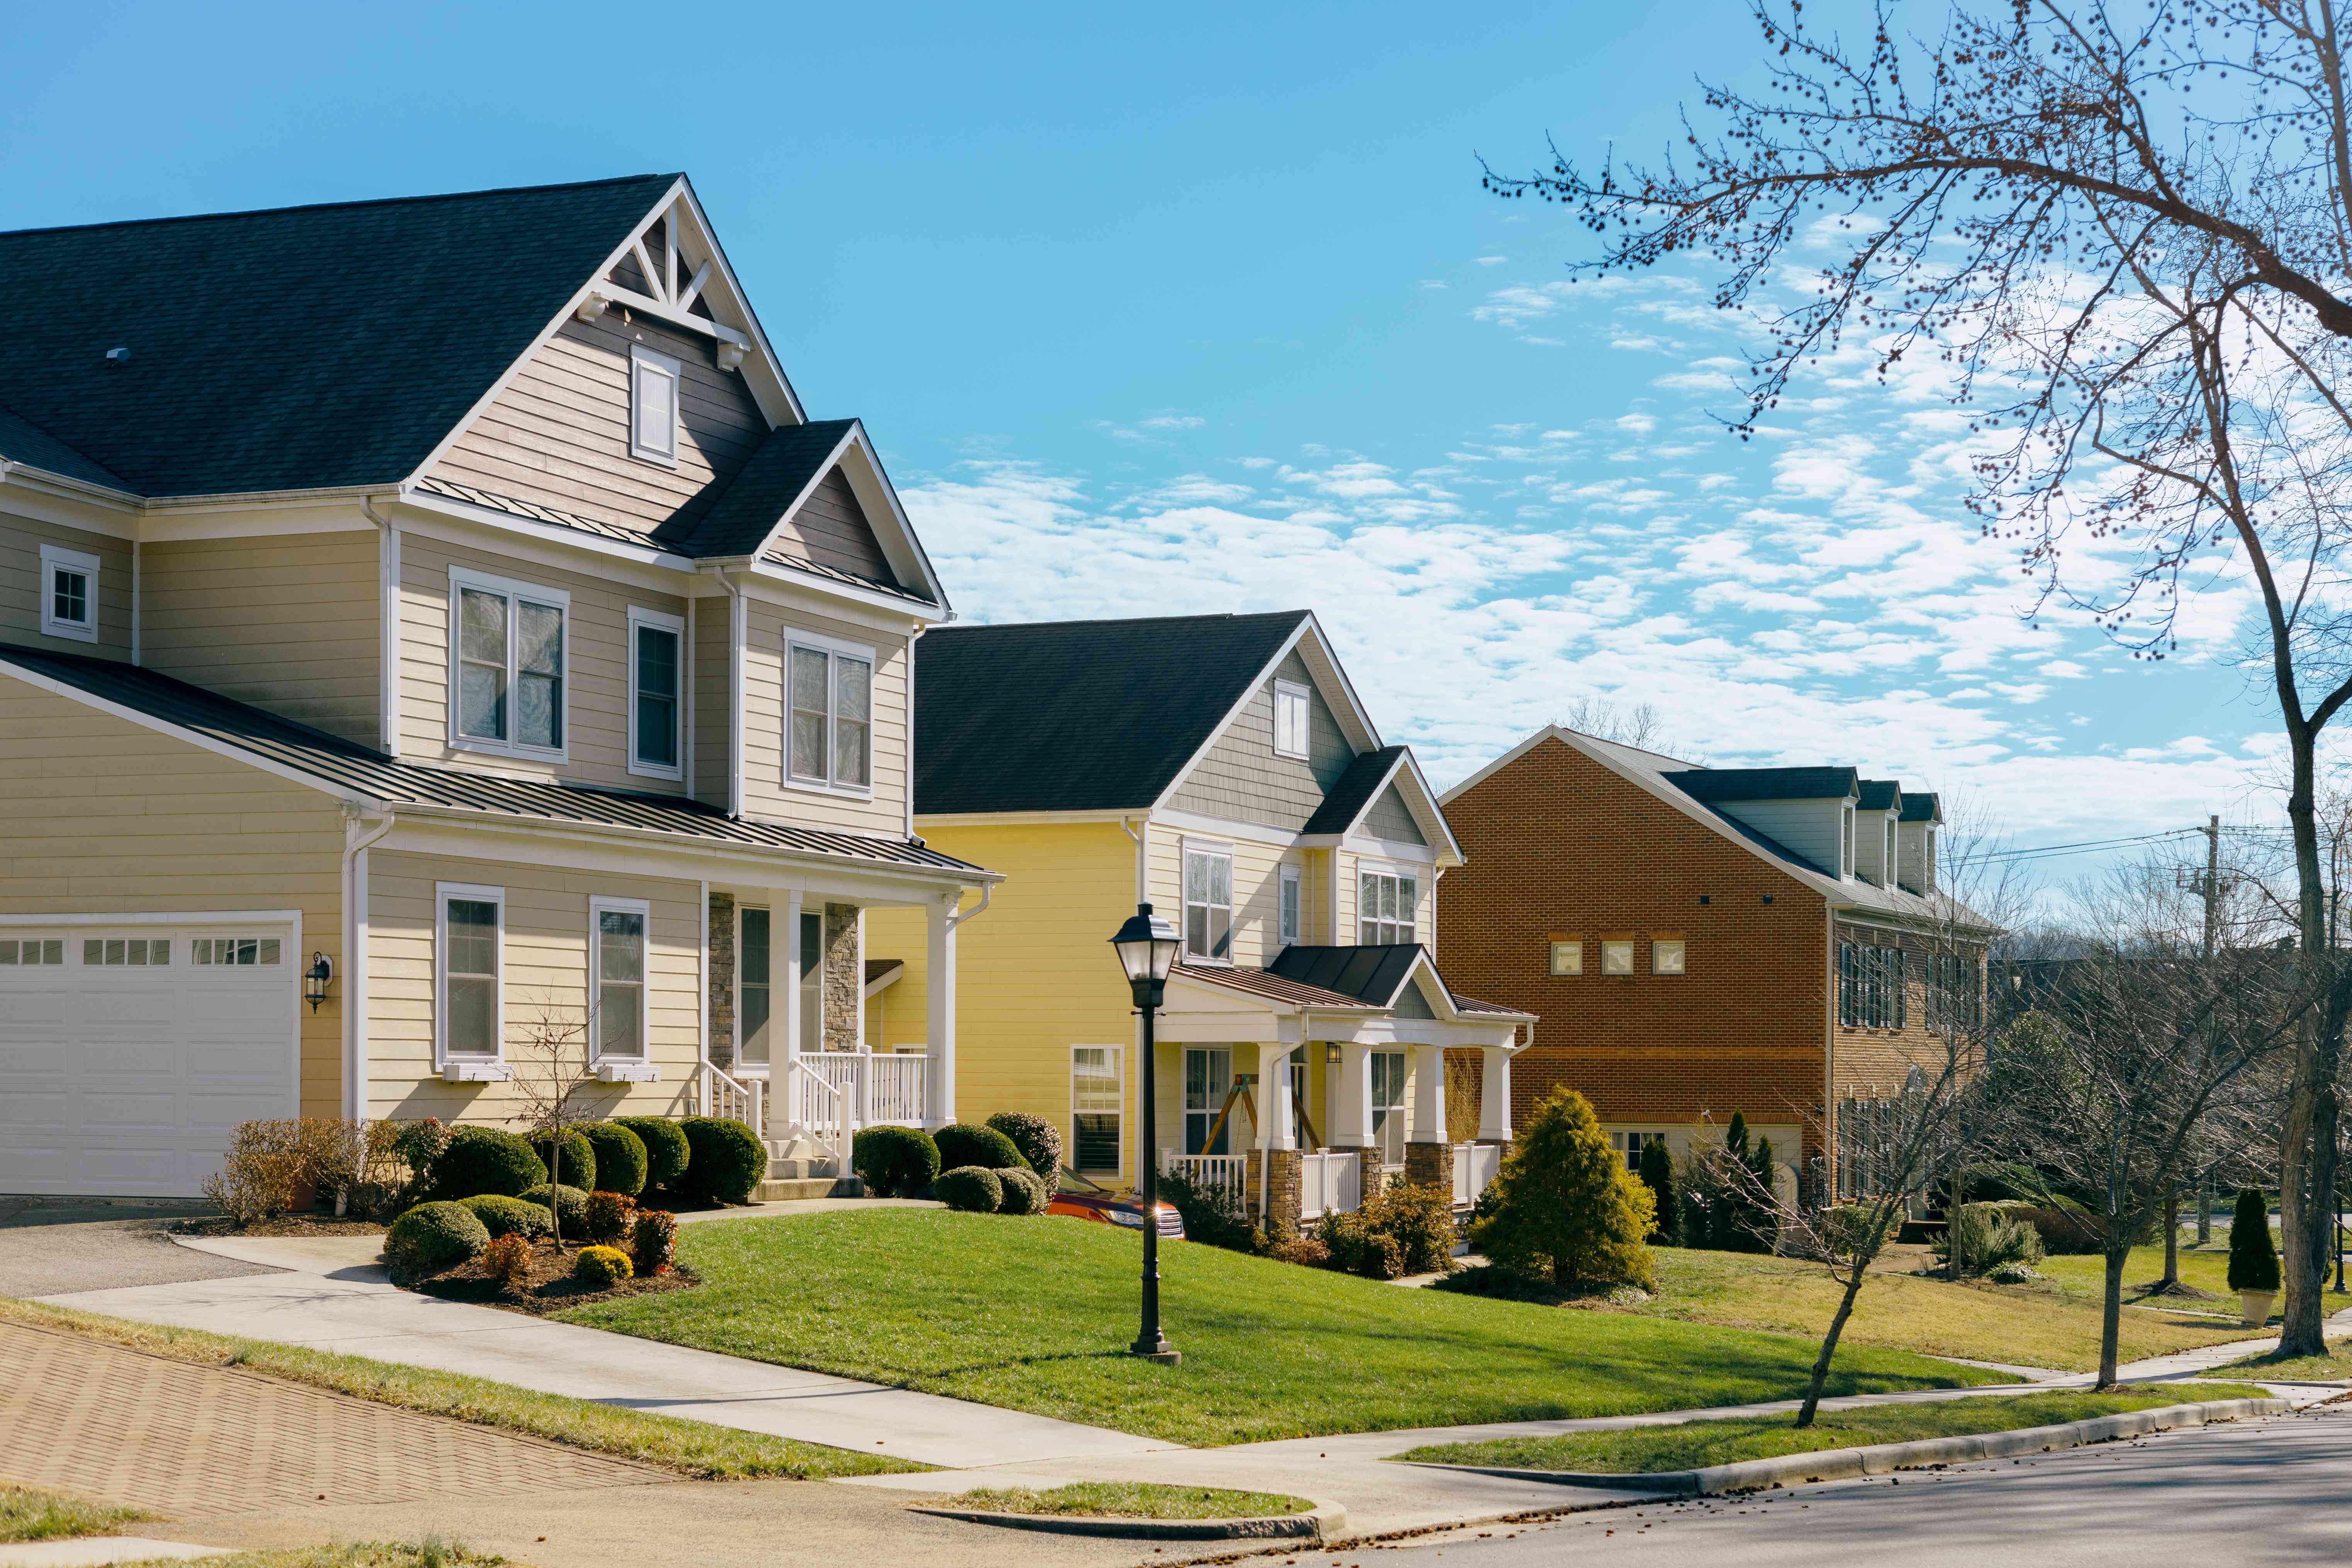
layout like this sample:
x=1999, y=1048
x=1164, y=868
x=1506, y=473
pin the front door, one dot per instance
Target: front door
x=1208, y=1078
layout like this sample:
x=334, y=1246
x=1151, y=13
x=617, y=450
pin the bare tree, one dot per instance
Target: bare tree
x=551, y=1084
x=2127, y=237
x=1642, y=726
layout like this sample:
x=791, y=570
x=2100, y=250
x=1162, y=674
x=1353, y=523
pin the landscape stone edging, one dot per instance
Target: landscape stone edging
x=1322, y=1524
x=1845, y=1464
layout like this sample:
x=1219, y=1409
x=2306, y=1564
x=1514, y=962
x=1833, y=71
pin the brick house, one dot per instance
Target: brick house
x=1701, y=940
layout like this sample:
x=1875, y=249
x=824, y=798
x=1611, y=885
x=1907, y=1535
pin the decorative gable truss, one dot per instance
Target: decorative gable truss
x=672, y=270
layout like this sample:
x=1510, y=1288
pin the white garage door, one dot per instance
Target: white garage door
x=127, y=1054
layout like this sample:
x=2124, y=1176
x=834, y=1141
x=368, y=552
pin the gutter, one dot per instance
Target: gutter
x=387, y=628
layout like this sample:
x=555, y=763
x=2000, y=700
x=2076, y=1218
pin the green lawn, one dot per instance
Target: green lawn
x=1136, y=1500
x=1695, y=1445
x=1035, y=1314
x=2206, y=1268
x=35, y=1513
x=2333, y=1367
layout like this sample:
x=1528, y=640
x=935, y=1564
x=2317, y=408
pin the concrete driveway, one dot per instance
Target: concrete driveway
x=50, y=1246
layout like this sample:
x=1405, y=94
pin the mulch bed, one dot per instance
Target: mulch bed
x=551, y=1288
x=284, y=1225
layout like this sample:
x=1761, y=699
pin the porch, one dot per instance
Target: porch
x=1329, y=1181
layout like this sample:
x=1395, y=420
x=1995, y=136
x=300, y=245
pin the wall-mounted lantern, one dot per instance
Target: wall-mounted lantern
x=315, y=979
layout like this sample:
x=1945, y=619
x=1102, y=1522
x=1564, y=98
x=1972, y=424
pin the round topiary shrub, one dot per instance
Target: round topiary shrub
x=579, y=1159
x=729, y=1162
x=963, y=1143
x=486, y=1160
x=894, y=1162
x=974, y=1189
x=666, y=1150
x=502, y=1215
x=620, y=1158
x=434, y=1236
x=602, y=1268
x=1039, y=1140
x=570, y=1204
x=1024, y=1191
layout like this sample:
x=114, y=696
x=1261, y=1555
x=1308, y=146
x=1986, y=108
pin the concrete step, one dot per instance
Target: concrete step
x=775, y=1191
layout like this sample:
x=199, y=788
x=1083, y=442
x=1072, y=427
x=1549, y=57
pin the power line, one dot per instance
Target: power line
x=2088, y=845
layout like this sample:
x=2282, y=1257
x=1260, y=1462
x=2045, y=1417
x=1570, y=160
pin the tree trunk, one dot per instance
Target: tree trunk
x=1829, y=1346
x=2308, y=1131
x=2111, y=1313
x=2171, y=1237
x=2205, y=1211
x=554, y=1198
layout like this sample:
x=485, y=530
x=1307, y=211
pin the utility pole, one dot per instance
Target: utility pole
x=2213, y=882
x=2212, y=891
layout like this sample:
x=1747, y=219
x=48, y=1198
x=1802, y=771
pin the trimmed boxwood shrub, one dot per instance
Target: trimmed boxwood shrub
x=434, y=1236
x=1039, y=1140
x=609, y=1217
x=894, y=1162
x=620, y=1157
x=502, y=1215
x=653, y=1241
x=570, y=1204
x=666, y=1150
x=579, y=1159
x=486, y=1160
x=729, y=1162
x=602, y=1266
x=974, y=1189
x=1024, y=1191
x=963, y=1143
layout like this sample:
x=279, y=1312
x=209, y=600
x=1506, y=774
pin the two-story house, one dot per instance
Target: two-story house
x=1704, y=941
x=1221, y=769
x=431, y=630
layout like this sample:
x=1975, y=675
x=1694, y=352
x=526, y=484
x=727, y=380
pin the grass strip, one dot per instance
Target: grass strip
x=35, y=1513
x=1137, y=1500
x=694, y=1448
x=2333, y=1367
x=432, y=1551
x=1698, y=1444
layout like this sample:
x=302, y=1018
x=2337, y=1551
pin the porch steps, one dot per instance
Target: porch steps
x=788, y=1189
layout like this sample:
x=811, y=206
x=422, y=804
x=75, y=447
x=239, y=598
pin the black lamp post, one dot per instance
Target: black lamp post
x=1146, y=946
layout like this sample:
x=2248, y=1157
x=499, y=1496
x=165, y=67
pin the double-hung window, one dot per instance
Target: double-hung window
x=829, y=738
x=1290, y=709
x=1208, y=903
x=1294, y=899
x=618, y=960
x=511, y=665
x=1208, y=1085
x=1385, y=914
x=68, y=594
x=653, y=406
x=656, y=677
x=1096, y=1103
x=468, y=957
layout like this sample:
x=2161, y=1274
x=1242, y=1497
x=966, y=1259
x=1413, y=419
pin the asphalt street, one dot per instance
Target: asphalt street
x=2268, y=1491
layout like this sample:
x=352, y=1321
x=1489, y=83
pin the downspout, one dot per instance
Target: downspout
x=911, y=641
x=738, y=630
x=388, y=628
x=987, y=891
x=355, y=958
x=1142, y=858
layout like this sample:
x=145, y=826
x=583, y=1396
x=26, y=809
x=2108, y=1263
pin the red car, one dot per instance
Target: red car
x=1117, y=1208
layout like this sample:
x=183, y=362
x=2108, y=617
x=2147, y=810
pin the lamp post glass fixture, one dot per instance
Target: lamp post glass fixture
x=1146, y=946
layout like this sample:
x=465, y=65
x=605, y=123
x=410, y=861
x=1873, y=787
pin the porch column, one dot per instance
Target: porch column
x=1352, y=1116
x=1280, y=1194
x=940, y=984
x=1280, y=1129
x=1494, y=1095
x=1428, y=1157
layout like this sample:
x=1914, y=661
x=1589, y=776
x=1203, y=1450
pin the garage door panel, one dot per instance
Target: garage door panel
x=37, y=1106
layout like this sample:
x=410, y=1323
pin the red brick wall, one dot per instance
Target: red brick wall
x=1556, y=843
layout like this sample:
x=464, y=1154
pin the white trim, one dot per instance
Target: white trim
x=438, y=507
x=660, y=621
x=1216, y=826
x=388, y=655
x=516, y=594
x=1118, y=1065
x=56, y=558
x=835, y=650
x=1304, y=697
x=644, y=362
x=1390, y=849
x=1290, y=883
x=1213, y=848
x=442, y=893
x=191, y=917
x=600, y=905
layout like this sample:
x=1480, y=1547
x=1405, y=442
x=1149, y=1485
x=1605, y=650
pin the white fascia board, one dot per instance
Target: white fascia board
x=812, y=595
x=1549, y=732
x=1386, y=850
x=889, y=977
x=723, y=276
x=1021, y=818
x=1354, y=706
x=1224, y=827
x=201, y=743
x=1424, y=799
x=1265, y=673
x=878, y=486
x=26, y=476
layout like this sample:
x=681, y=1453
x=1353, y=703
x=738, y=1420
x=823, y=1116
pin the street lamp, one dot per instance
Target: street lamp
x=1146, y=946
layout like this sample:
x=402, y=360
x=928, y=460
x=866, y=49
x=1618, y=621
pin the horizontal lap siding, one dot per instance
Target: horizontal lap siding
x=831, y=528
x=1257, y=889
x=713, y=670
x=286, y=623
x=545, y=952
x=596, y=717
x=21, y=586
x=106, y=816
x=765, y=793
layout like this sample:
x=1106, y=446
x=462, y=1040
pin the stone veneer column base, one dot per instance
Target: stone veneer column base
x=1286, y=1192
x=721, y=938
x=1429, y=1164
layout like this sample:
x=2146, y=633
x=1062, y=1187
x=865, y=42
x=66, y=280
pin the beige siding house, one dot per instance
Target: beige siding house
x=477, y=655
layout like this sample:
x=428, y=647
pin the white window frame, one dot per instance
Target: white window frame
x=1659, y=954
x=1566, y=956
x=599, y=907
x=1886, y=862
x=1208, y=849
x=834, y=649
x=1399, y=875
x=1115, y=1058
x=1290, y=905
x=1845, y=842
x=645, y=362
x=675, y=626
x=517, y=593
x=1287, y=693
x=442, y=893
x=1609, y=951
x=56, y=558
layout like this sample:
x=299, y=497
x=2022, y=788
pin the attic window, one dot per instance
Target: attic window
x=68, y=594
x=1289, y=719
x=653, y=406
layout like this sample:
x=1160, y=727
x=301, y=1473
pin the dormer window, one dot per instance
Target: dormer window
x=653, y=406
x=68, y=594
x=1289, y=719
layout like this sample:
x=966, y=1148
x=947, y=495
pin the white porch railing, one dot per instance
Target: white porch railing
x=736, y=1100
x=1227, y=1175
x=1331, y=1181
x=1474, y=1165
x=815, y=1105
x=877, y=1090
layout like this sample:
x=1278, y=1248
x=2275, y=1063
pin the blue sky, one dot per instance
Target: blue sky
x=1203, y=308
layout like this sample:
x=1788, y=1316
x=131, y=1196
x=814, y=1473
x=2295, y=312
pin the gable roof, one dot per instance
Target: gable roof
x=1079, y=715
x=1764, y=783
x=302, y=348
x=331, y=761
x=1922, y=806
x=1374, y=975
x=789, y=460
x=1880, y=795
x=1352, y=794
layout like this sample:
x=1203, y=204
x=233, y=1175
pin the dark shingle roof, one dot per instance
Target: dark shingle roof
x=1372, y=974
x=302, y=348
x=1077, y=715
x=738, y=522
x=1878, y=794
x=1920, y=807
x=1764, y=783
x=1353, y=791
x=22, y=441
x=372, y=774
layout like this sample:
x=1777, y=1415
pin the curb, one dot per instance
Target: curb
x=1845, y=1464
x=1326, y=1522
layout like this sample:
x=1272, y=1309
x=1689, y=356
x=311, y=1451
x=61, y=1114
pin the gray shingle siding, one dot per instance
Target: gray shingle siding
x=1389, y=819
x=1242, y=780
